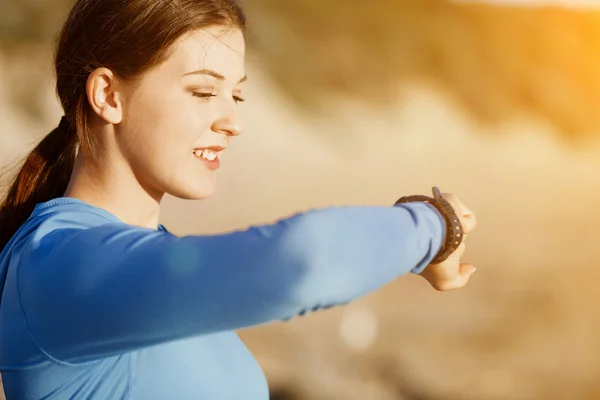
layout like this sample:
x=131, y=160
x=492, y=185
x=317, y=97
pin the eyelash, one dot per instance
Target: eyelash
x=207, y=96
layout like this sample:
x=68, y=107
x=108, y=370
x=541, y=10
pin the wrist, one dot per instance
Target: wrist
x=453, y=234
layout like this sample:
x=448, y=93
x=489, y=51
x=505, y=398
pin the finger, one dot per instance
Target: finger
x=466, y=210
x=464, y=274
x=467, y=217
x=469, y=223
x=452, y=199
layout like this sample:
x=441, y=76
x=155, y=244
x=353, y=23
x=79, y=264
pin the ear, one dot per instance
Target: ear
x=103, y=95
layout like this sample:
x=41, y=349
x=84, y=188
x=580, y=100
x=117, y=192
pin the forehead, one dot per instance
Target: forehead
x=218, y=49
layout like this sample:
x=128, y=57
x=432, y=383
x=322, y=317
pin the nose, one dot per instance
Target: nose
x=227, y=126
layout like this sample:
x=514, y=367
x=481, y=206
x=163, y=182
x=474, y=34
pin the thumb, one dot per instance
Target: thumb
x=464, y=273
x=466, y=270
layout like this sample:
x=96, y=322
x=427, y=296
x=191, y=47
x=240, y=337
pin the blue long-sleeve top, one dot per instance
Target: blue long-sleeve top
x=93, y=308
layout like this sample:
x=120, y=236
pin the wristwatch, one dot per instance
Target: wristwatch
x=454, y=229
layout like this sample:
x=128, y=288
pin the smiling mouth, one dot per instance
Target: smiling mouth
x=210, y=156
x=206, y=154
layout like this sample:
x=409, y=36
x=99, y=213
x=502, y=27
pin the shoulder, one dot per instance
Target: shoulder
x=65, y=214
x=55, y=220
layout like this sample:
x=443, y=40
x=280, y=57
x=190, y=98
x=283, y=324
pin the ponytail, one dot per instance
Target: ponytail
x=44, y=176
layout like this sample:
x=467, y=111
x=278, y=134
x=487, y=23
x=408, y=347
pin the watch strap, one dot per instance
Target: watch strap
x=454, y=229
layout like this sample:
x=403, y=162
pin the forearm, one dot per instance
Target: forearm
x=358, y=250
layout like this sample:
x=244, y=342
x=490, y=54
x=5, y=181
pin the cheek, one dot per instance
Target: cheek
x=161, y=125
x=155, y=145
x=184, y=119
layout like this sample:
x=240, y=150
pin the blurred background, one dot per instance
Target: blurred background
x=360, y=102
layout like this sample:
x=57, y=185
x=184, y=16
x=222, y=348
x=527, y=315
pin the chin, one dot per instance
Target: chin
x=196, y=192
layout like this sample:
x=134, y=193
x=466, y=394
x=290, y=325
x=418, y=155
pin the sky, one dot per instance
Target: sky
x=587, y=4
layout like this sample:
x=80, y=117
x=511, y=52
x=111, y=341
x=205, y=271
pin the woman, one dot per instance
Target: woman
x=99, y=301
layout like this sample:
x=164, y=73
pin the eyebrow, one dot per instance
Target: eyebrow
x=214, y=74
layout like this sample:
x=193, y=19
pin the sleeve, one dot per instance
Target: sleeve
x=101, y=291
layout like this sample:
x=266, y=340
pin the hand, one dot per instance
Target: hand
x=451, y=274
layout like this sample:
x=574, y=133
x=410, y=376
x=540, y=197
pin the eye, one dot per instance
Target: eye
x=238, y=99
x=204, y=95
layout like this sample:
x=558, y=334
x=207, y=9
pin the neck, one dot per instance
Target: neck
x=116, y=190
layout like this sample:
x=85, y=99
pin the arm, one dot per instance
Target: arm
x=94, y=292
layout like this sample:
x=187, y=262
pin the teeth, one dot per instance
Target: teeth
x=207, y=154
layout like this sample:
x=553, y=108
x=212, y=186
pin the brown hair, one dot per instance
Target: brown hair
x=130, y=38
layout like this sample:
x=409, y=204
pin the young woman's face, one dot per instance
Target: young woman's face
x=183, y=113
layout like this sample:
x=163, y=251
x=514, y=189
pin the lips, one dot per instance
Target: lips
x=209, y=155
